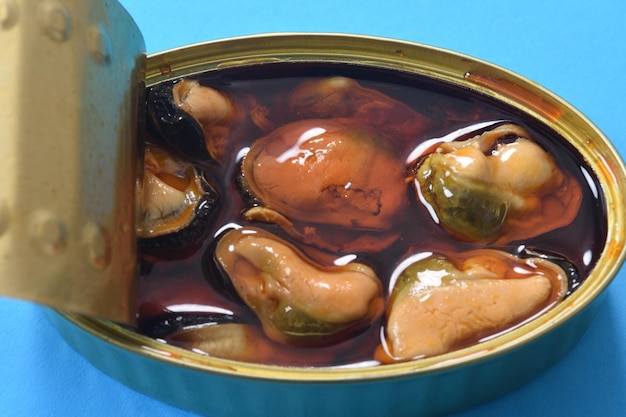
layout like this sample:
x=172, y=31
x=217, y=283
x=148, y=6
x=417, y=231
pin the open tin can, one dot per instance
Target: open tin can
x=435, y=385
x=431, y=386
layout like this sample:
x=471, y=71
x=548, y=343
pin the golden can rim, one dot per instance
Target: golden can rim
x=439, y=64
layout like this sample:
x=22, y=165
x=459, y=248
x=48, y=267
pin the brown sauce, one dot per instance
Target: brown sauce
x=173, y=288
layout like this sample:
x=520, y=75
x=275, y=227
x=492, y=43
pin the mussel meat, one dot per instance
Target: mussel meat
x=333, y=173
x=440, y=303
x=235, y=341
x=194, y=119
x=215, y=334
x=247, y=343
x=497, y=187
x=326, y=237
x=177, y=202
x=334, y=97
x=297, y=301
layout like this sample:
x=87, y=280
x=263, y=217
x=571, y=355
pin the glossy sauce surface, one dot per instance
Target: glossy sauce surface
x=185, y=287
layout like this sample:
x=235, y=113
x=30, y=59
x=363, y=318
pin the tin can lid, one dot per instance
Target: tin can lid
x=71, y=109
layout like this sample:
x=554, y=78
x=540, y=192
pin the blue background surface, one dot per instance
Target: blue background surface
x=577, y=49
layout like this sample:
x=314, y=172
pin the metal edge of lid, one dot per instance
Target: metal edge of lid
x=447, y=66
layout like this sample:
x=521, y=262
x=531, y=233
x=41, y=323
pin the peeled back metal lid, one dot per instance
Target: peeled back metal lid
x=71, y=104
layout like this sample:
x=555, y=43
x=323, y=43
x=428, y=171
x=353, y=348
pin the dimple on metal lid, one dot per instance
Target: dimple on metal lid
x=71, y=85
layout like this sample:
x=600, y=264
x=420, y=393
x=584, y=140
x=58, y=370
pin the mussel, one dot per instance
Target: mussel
x=442, y=302
x=497, y=187
x=215, y=334
x=235, y=341
x=247, y=343
x=194, y=119
x=337, y=96
x=177, y=202
x=297, y=301
x=328, y=176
